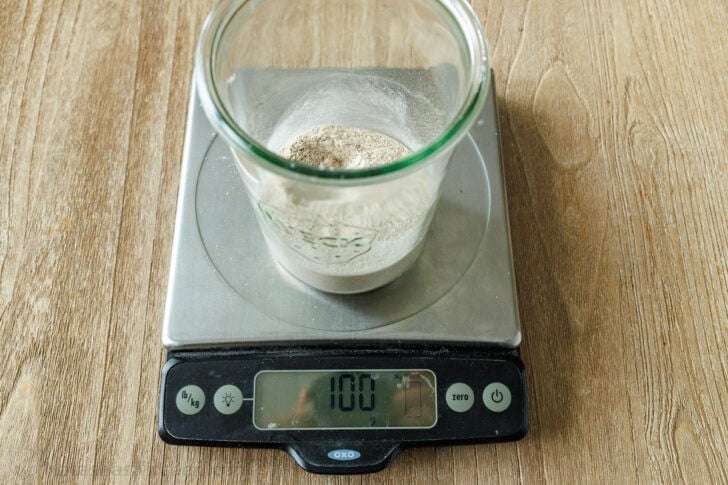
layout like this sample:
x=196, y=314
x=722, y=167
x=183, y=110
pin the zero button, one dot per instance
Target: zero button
x=459, y=397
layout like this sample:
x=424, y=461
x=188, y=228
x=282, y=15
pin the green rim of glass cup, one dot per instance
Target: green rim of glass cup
x=462, y=15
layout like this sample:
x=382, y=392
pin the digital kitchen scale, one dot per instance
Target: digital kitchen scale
x=341, y=382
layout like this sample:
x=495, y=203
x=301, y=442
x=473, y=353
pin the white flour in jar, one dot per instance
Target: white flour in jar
x=347, y=239
x=343, y=147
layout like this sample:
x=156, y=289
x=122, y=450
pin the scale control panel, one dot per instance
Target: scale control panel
x=344, y=410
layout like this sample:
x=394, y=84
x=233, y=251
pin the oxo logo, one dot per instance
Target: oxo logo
x=344, y=455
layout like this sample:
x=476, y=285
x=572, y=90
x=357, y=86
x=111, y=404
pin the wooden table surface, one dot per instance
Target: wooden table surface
x=614, y=122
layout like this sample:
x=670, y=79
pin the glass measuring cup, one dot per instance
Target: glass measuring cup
x=416, y=71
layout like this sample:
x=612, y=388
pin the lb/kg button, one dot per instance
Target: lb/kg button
x=190, y=400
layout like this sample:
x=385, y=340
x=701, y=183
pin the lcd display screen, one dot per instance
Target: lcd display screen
x=345, y=399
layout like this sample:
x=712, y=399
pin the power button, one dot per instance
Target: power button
x=497, y=397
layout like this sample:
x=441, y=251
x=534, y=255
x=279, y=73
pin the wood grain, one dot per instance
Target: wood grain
x=614, y=120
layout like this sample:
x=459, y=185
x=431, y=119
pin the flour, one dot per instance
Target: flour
x=347, y=239
x=343, y=147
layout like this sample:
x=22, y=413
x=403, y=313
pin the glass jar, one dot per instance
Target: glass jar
x=415, y=70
